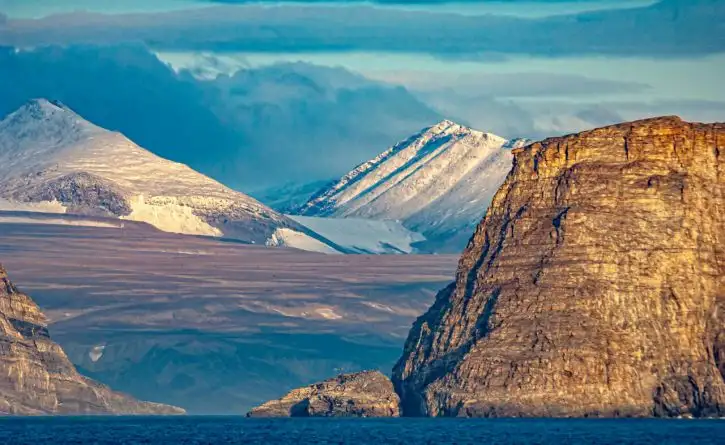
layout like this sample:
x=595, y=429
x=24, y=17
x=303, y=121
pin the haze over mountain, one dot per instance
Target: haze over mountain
x=438, y=183
x=270, y=120
x=251, y=129
x=674, y=28
x=50, y=155
x=289, y=196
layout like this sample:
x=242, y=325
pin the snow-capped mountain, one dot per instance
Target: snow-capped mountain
x=438, y=182
x=51, y=155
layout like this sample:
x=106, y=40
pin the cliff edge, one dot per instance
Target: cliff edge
x=595, y=285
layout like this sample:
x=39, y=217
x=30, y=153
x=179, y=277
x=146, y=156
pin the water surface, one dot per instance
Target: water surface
x=222, y=430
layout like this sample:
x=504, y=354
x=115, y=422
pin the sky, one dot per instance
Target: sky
x=518, y=68
x=41, y=8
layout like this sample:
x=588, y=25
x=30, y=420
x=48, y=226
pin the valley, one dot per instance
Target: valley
x=214, y=326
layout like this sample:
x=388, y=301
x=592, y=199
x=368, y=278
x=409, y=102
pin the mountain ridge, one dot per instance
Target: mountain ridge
x=438, y=182
x=50, y=153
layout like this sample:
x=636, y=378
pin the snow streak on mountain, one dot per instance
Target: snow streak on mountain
x=438, y=182
x=51, y=155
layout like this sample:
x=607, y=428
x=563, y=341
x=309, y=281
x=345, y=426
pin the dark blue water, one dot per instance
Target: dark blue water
x=224, y=430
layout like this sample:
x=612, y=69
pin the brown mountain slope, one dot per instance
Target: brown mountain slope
x=595, y=286
x=36, y=377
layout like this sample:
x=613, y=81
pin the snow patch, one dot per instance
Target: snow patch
x=378, y=306
x=187, y=252
x=96, y=353
x=170, y=217
x=284, y=237
x=363, y=235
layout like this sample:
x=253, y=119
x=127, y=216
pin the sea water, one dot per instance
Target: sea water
x=228, y=430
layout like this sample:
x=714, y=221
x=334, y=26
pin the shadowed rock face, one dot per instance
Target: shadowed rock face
x=362, y=394
x=82, y=193
x=595, y=285
x=36, y=377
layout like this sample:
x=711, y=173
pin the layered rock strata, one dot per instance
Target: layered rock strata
x=362, y=394
x=595, y=285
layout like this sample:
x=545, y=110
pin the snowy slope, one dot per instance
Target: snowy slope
x=438, y=182
x=363, y=235
x=285, y=237
x=52, y=157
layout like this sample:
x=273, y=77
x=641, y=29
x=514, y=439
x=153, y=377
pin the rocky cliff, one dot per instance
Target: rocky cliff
x=595, y=285
x=362, y=394
x=36, y=377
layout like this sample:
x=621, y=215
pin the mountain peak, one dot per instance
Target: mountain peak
x=44, y=125
x=41, y=108
x=437, y=183
x=447, y=126
x=48, y=153
x=446, y=123
x=44, y=111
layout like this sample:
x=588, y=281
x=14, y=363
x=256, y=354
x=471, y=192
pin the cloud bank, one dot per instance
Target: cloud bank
x=259, y=127
x=670, y=28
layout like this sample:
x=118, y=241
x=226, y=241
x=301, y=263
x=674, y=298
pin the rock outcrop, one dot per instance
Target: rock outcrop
x=595, y=285
x=361, y=394
x=36, y=377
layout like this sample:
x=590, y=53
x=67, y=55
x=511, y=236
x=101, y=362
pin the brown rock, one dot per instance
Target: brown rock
x=36, y=377
x=595, y=286
x=362, y=394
